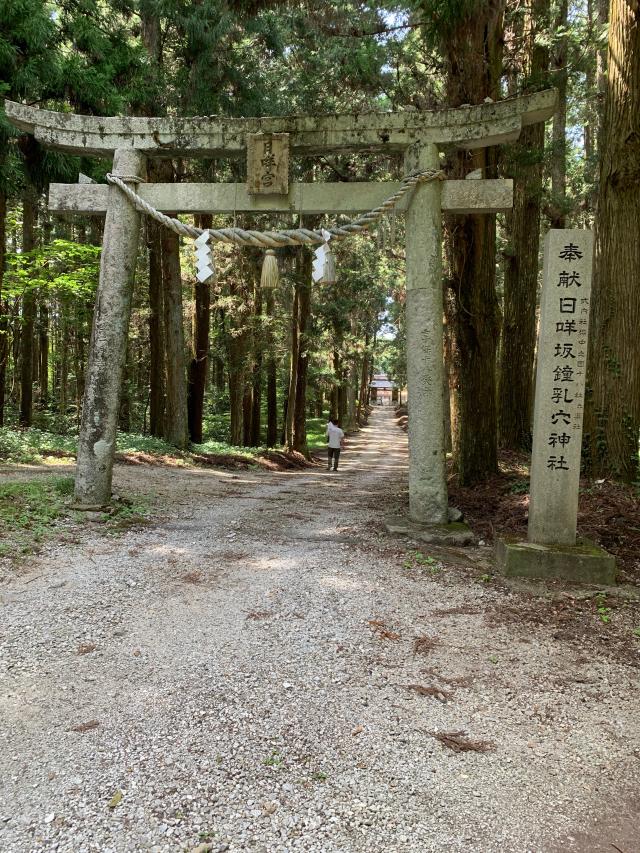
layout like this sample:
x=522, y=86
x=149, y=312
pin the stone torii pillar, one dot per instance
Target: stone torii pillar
x=418, y=135
x=428, y=499
x=108, y=348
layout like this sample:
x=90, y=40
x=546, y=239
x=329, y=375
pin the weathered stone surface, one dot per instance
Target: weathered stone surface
x=96, y=444
x=581, y=563
x=466, y=127
x=455, y=514
x=492, y=196
x=560, y=386
x=425, y=376
x=450, y=533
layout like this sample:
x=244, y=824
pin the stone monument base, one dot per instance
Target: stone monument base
x=453, y=533
x=583, y=562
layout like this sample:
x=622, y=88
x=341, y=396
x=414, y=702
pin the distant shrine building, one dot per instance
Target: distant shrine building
x=384, y=392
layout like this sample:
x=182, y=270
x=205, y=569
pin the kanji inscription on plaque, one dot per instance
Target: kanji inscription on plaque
x=268, y=163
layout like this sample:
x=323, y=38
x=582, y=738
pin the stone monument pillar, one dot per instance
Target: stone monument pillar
x=552, y=548
x=560, y=385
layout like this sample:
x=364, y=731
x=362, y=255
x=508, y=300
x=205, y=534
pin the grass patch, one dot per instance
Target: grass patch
x=30, y=512
x=31, y=446
x=126, y=513
x=316, y=433
x=34, y=511
x=34, y=446
x=220, y=448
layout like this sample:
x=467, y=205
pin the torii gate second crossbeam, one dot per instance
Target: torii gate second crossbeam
x=420, y=135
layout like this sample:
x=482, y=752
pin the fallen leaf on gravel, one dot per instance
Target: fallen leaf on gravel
x=436, y=692
x=459, y=742
x=269, y=808
x=192, y=577
x=424, y=644
x=85, y=648
x=115, y=800
x=384, y=632
x=85, y=727
x=357, y=730
x=259, y=614
x=203, y=848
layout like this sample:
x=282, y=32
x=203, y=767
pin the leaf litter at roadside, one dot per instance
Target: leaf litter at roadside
x=382, y=631
x=460, y=742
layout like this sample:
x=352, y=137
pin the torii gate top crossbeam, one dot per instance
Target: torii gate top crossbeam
x=214, y=136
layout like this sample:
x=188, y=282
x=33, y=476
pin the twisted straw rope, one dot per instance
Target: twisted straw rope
x=275, y=239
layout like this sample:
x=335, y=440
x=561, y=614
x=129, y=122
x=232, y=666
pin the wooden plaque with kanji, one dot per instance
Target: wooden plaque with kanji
x=268, y=163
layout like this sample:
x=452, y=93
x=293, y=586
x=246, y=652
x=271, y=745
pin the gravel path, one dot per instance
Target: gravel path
x=254, y=673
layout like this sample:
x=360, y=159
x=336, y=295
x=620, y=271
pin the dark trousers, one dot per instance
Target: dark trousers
x=334, y=453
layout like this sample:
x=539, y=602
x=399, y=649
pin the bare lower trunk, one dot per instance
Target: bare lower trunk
x=43, y=373
x=29, y=308
x=236, y=393
x=524, y=163
x=474, y=64
x=124, y=417
x=4, y=325
x=236, y=358
x=352, y=386
x=520, y=294
x=304, y=314
x=156, y=331
x=364, y=381
x=293, y=370
x=613, y=386
x=272, y=399
x=198, y=366
x=473, y=317
x=558, y=212
x=256, y=370
x=247, y=405
x=176, y=431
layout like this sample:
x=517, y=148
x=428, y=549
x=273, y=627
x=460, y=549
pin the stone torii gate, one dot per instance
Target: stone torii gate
x=419, y=135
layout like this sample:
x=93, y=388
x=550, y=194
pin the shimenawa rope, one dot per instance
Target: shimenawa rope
x=275, y=239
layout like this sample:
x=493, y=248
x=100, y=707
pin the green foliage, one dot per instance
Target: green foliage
x=416, y=559
x=520, y=487
x=30, y=511
x=33, y=445
x=62, y=267
x=274, y=760
x=29, y=62
x=221, y=448
x=104, y=69
x=603, y=611
x=316, y=427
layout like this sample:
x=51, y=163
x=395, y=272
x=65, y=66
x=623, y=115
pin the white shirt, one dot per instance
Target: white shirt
x=335, y=435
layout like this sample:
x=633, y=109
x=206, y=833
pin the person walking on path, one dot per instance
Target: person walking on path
x=335, y=437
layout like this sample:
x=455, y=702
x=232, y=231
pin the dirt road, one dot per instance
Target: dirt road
x=266, y=670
